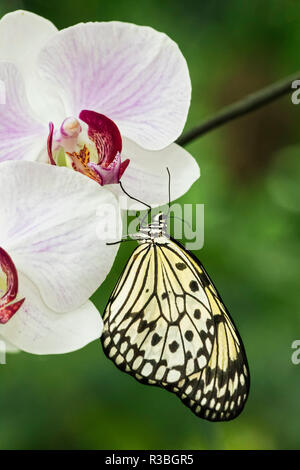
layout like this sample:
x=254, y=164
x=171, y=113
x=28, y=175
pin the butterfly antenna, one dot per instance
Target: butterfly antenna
x=169, y=191
x=182, y=220
x=123, y=240
x=169, y=187
x=134, y=198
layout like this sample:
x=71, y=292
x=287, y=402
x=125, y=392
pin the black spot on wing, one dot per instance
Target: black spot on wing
x=194, y=286
x=204, y=279
x=142, y=326
x=173, y=346
x=219, y=319
x=181, y=266
x=155, y=339
x=189, y=335
x=197, y=314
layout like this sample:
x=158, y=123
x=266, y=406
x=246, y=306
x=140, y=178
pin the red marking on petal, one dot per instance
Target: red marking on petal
x=49, y=143
x=123, y=167
x=8, y=267
x=10, y=271
x=80, y=162
x=9, y=310
x=105, y=135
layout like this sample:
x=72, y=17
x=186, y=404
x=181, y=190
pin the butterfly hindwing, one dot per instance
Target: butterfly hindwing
x=220, y=390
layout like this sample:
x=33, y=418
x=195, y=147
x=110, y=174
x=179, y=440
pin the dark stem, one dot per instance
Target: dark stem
x=239, y=108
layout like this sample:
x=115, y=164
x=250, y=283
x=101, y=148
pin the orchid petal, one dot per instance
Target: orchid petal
x=21, y=134
x=133, y=74
x=146, y=178
x=55, y=224
x=39, y=330
x=22, y=34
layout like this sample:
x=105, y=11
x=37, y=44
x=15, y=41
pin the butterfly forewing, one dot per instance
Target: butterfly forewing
x=166, y=325
x=159, y=324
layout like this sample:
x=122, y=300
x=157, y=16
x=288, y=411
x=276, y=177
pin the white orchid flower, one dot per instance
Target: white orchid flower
x=116, y=97
x=53, y=256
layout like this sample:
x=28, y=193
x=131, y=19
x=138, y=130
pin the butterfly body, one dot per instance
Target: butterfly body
x=166, y=325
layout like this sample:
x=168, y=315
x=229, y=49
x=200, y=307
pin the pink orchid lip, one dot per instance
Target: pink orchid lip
x=108, y=141
x=9, y=269
x=105, y=135
x=113, y=172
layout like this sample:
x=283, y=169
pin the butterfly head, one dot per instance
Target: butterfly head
x=157, y=228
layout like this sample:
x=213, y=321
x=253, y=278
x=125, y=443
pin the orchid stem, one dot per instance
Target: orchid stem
x=244, y=106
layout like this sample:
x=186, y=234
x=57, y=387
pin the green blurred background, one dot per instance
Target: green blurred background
x=250, y=175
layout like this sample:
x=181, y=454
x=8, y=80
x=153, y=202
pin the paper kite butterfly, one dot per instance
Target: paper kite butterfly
x=166, y=325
